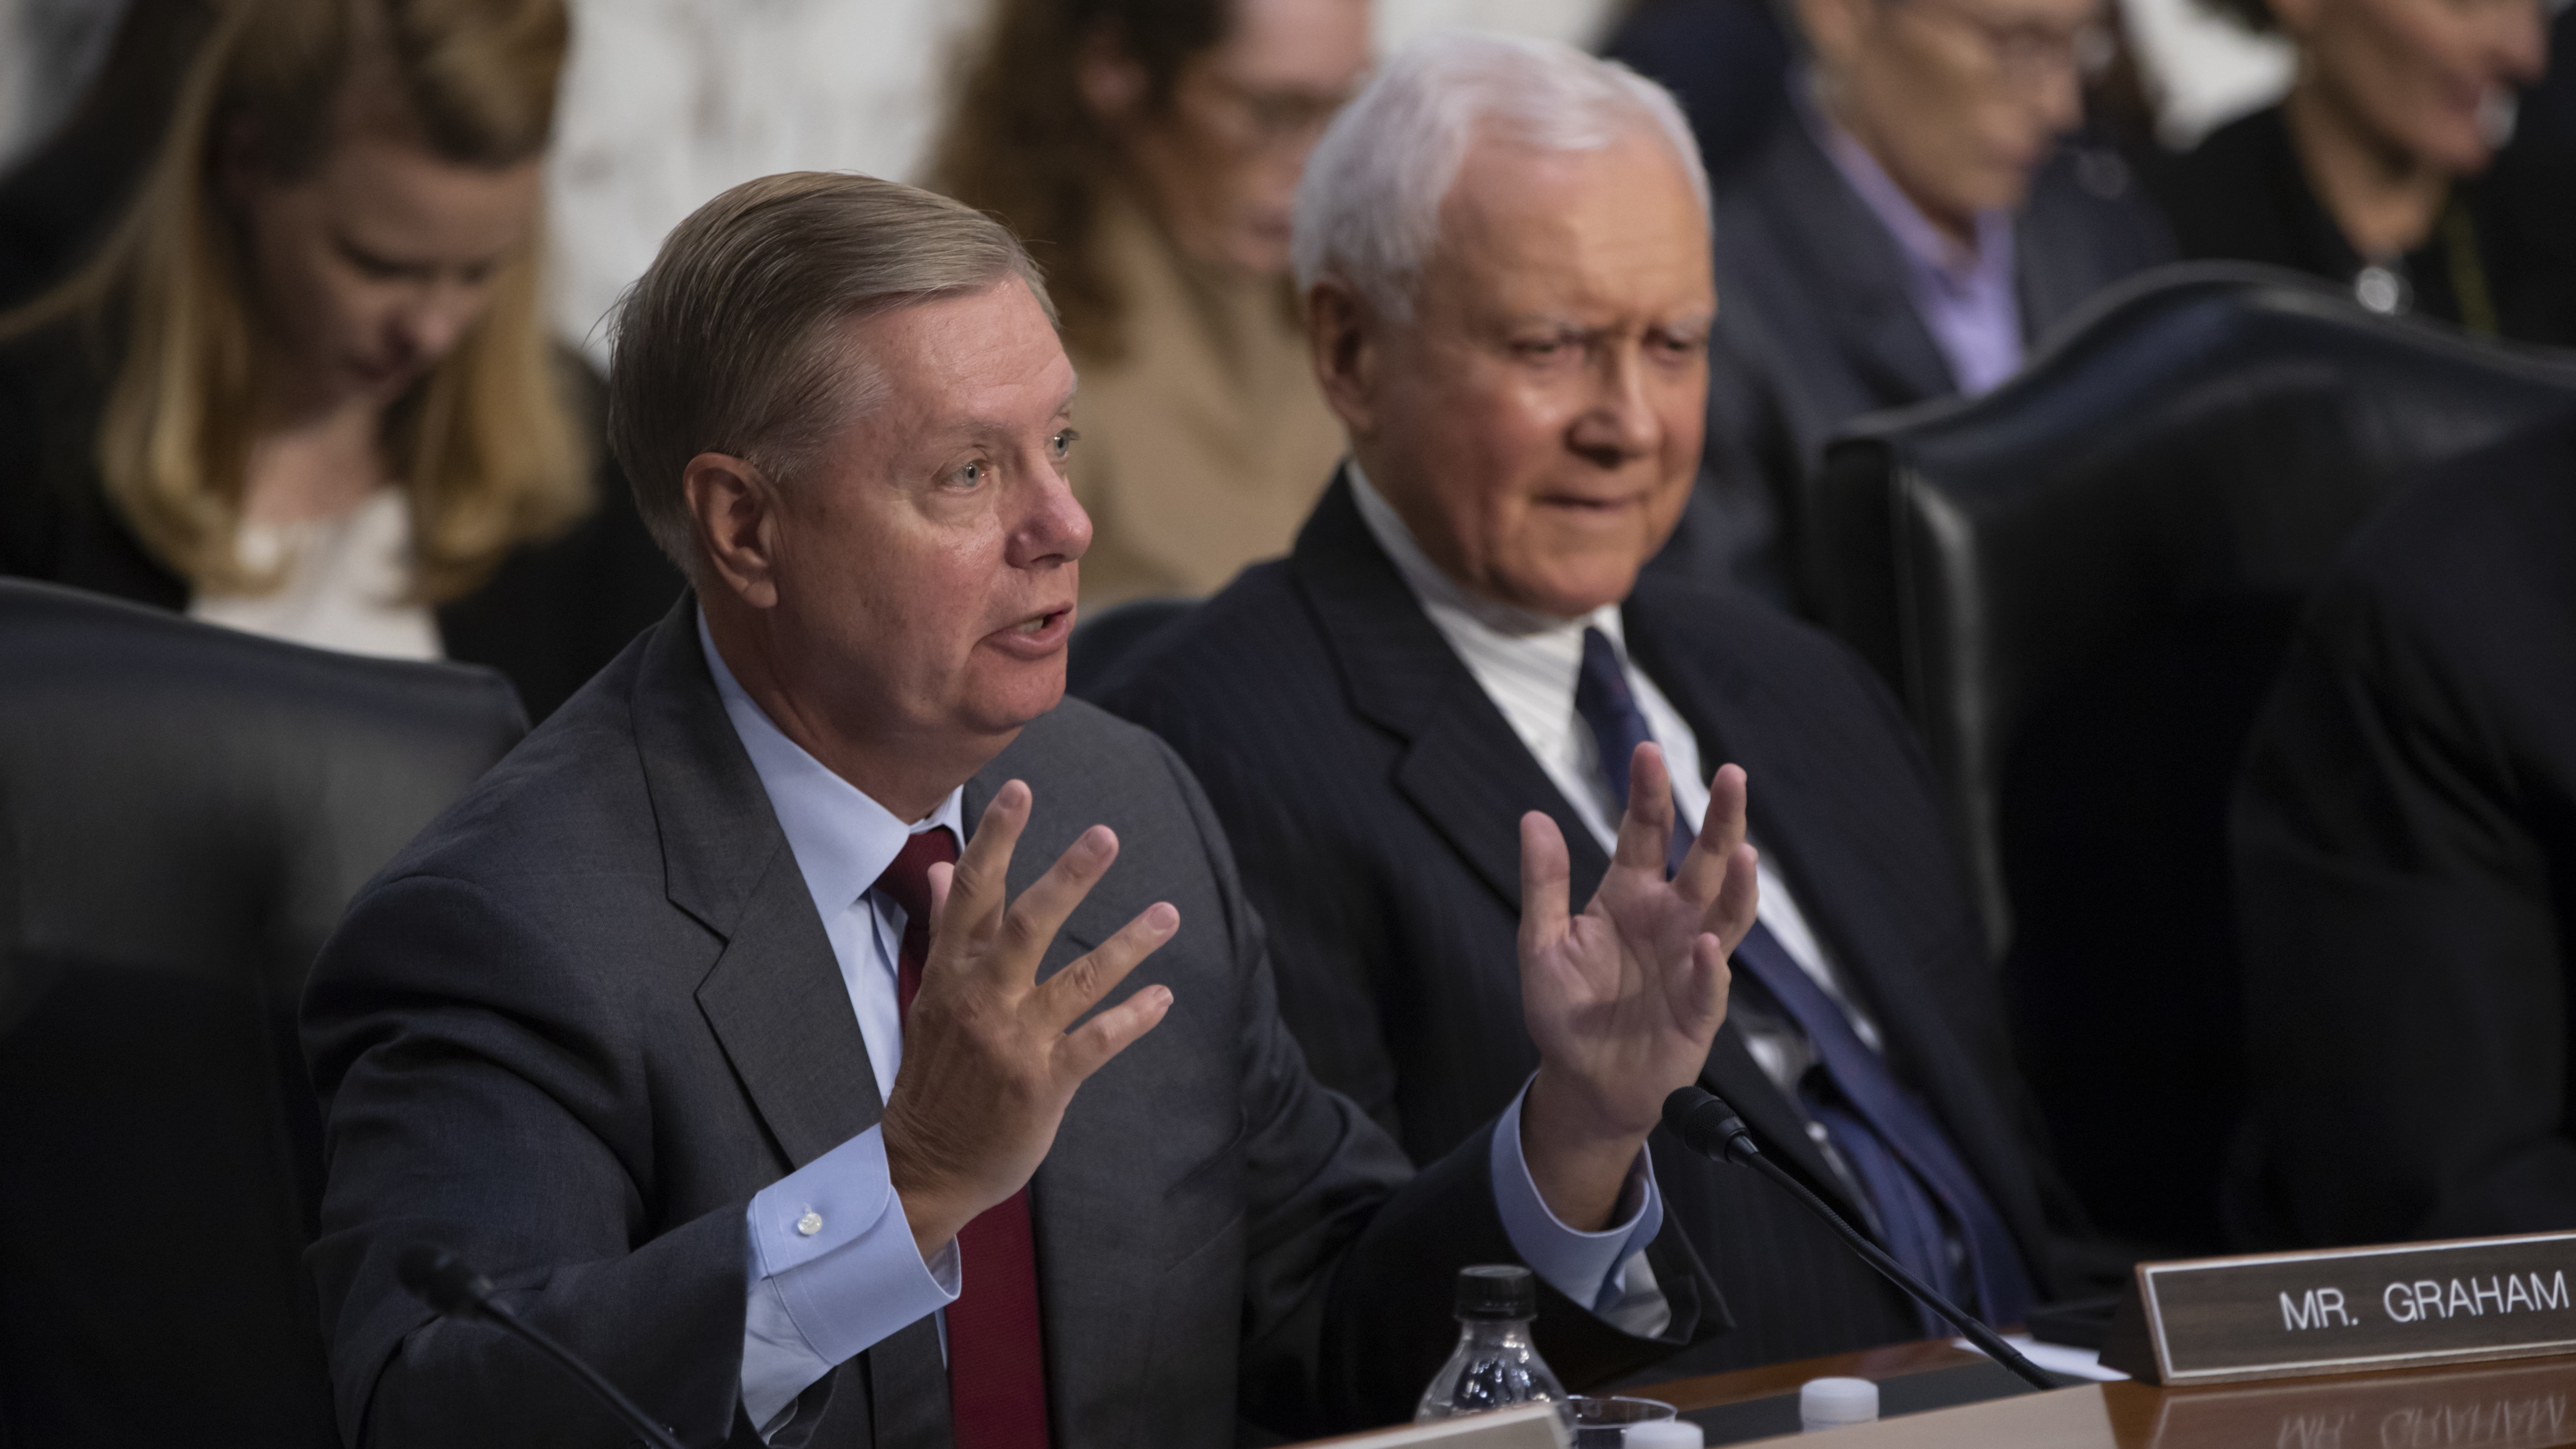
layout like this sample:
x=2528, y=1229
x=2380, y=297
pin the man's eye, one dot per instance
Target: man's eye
x=1062, y=443
x=970, y=474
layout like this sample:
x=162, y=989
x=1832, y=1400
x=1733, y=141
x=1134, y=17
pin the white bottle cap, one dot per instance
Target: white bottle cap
x=1825, y=1403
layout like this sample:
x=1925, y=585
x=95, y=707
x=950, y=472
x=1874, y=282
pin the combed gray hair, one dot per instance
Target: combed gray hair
x=1368, y=207
x=731, y=342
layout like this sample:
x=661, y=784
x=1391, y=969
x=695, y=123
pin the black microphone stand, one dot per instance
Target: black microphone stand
x=446, y=1282
x=1697, y=1117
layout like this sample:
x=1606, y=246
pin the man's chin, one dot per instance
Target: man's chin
x=1571, y=592
x=1010, y=705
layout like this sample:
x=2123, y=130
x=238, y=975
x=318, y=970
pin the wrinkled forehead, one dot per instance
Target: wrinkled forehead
x=976, y=366
x=1622, y=221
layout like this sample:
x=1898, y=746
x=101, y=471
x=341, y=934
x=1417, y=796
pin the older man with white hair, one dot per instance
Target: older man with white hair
x=1504, y=249
x=739, y=1026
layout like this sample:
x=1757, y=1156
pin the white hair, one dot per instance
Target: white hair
x=1368, y=207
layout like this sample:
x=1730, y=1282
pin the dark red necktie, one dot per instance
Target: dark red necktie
x=996, y=1361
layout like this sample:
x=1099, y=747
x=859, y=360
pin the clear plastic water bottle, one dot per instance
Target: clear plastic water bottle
x=1496, y=1365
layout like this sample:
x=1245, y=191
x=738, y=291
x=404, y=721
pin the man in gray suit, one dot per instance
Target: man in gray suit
x=1906, y=232
x=692, y=1027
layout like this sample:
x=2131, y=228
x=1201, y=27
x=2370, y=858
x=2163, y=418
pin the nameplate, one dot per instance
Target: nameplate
x=2285, y=1315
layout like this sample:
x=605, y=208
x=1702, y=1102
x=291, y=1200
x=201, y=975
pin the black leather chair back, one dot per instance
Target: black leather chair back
x=2082, y=584
x=1108, y=639
x=184, y=811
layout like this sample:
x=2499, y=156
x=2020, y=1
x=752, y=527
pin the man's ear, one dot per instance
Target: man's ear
x=734, y=508
x=1344, y=338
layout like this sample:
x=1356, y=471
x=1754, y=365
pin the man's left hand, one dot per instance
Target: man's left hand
x=1624, y=999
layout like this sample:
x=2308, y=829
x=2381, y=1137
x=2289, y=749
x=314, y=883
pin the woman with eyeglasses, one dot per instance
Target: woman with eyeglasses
x=1148, y=151
x=1924, y=213
x=2381, y=170
x=305, y=387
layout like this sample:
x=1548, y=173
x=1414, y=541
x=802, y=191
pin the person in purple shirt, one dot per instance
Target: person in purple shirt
x=1921, y=220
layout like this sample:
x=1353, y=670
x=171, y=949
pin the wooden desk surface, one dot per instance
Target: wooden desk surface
x=2525, y=1405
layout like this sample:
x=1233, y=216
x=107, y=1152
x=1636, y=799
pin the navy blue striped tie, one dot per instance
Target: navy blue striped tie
x=1915, y=1180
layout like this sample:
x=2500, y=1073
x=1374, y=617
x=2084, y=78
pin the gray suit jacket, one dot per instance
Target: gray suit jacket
x=591, y=1011
x=1815, y=326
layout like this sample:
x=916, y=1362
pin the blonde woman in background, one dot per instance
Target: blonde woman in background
x=1148, y=151
x=306, y=389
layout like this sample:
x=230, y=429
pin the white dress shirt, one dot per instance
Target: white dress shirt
x=1528, y=664
x=832, y=1266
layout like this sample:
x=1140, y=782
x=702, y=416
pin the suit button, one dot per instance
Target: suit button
x=810, y=1224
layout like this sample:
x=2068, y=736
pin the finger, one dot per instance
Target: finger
x=942, y=875
x=1088, y=1048
x=1546, y=879
x=977, y=884
x=1033, y=920
x=1061, y=999
x=1646, y=830
x=1704, y=993
x=1721, y=829
x=1739, y=899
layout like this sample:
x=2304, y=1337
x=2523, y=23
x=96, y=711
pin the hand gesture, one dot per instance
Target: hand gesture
x=1624, y=999
x=991, y=1055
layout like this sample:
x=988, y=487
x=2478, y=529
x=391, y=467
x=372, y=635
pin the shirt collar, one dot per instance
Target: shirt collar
x=1926, y=246
x=1452, y=607
x=842, y=839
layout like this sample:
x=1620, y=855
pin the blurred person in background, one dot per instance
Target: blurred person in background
x=2380, y=170
x=1909, y=236
x=305, y=387
x=1148, y=151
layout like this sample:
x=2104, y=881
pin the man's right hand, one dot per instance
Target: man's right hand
x=988, y=1061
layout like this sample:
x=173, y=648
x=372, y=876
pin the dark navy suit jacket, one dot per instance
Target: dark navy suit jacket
x=1815, y=327
x=1373, y=794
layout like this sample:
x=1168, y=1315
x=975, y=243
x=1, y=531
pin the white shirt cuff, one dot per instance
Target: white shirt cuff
x=833, y=1270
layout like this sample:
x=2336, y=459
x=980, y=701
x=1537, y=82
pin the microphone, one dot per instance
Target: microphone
x=446, y=1282
x=1706, y=1125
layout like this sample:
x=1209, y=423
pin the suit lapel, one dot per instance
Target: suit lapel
x=1468, y=772
x=1463, y=768
x=774, y=998
x=1859, y=270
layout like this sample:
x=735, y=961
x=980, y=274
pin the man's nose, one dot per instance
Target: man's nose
x=1054, y=528
x=1621, y=423
x=2059, y=98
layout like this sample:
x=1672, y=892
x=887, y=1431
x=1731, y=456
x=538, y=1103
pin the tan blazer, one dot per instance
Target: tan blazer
x=1207, y=443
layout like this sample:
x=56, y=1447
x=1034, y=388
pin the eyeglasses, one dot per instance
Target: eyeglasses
x=1253, y=119
x=2024, y=52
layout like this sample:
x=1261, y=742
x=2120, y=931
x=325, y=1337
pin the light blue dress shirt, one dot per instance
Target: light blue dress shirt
x=831, y=1264
x=1965, y=296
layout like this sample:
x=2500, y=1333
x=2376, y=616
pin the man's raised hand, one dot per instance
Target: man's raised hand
x=1624, y=999
x=991, y=1055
